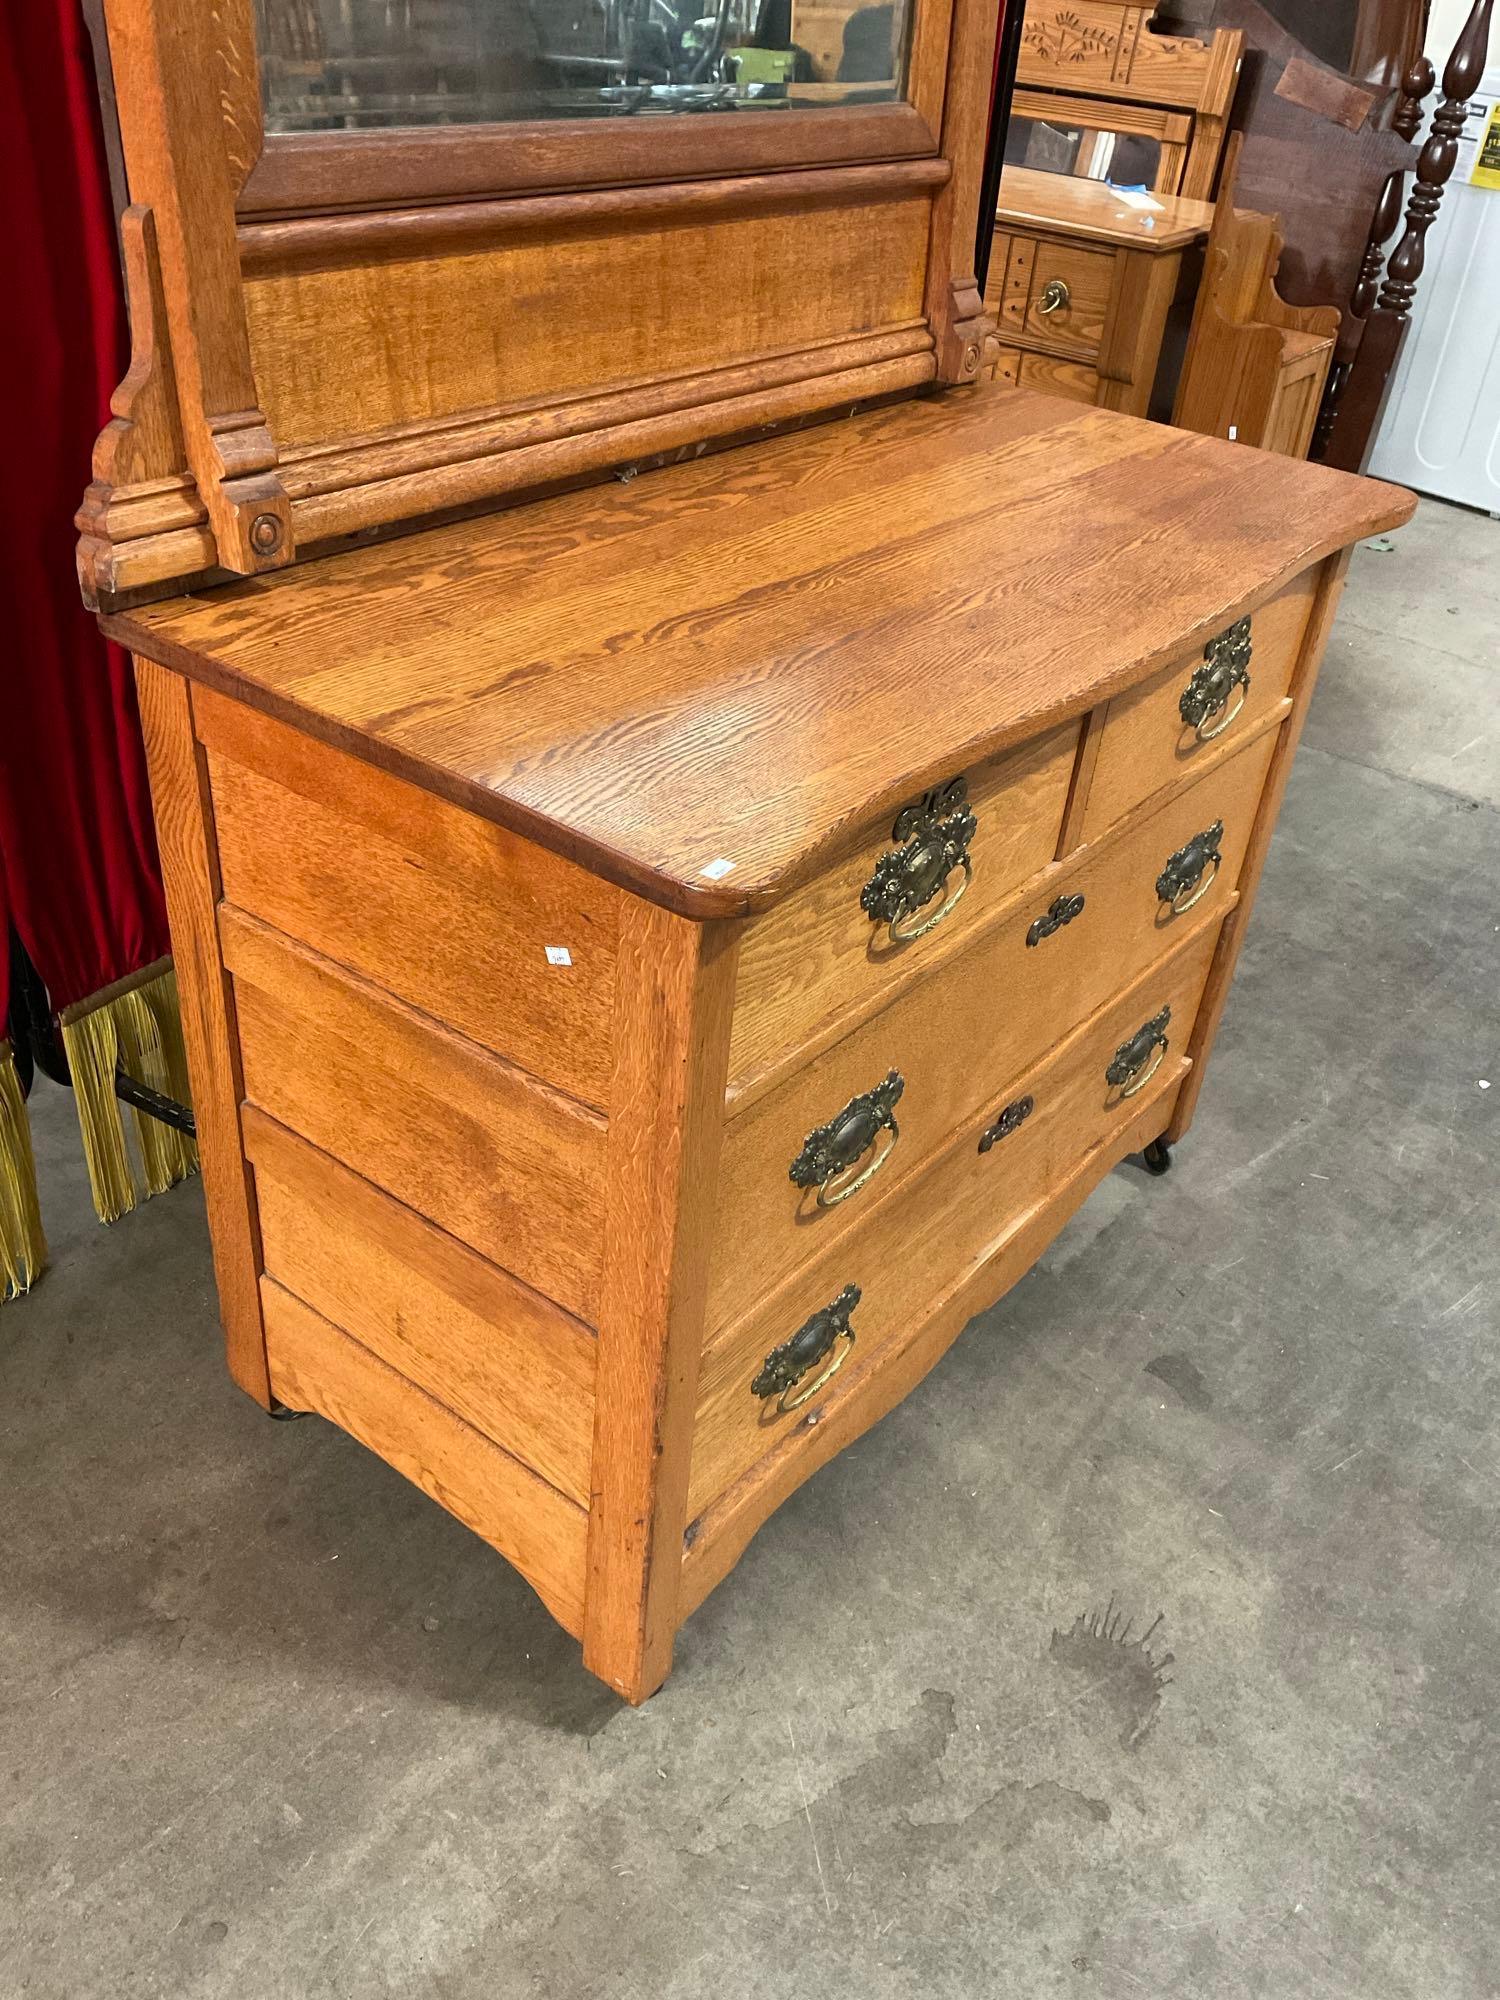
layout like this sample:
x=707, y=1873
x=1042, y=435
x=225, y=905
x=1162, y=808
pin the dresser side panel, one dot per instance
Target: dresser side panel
x=316, y=1366
x=506, y=942
x=189, y=859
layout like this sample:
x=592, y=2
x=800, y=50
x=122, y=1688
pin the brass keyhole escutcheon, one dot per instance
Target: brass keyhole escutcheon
x=1055, y=298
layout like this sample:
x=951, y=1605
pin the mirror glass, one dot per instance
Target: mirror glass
x=1123, y=159
x=356, y=65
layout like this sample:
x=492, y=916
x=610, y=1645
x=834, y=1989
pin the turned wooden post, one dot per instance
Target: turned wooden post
x=1361, y=301
x=1367, y=388
x=1416, y=88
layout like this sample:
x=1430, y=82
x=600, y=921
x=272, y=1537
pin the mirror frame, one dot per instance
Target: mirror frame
x=346, y=334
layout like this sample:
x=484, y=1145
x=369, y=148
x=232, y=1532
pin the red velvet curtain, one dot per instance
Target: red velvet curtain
x=78, y=867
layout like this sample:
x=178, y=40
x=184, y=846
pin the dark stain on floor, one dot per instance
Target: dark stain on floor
x=1125, y=1676
x=1183, y=1378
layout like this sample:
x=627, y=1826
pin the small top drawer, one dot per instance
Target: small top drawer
x=1171, y=727
x=1068, y=306
x=906, y=890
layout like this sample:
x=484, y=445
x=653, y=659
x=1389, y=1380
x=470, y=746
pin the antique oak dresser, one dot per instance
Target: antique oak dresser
x=666, y=934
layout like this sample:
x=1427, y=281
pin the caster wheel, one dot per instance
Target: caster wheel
x=1157, y=1158
x=280, y=1414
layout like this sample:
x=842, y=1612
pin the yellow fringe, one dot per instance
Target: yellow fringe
x=23, y=1247
x=140, y=1031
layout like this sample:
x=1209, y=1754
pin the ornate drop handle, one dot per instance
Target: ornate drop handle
x=836, y=1149
x=1055, y=297
x=1135, y=1062
x=1192, y=871
x=932, y=839
x=812, y=1343
x=1225, y=670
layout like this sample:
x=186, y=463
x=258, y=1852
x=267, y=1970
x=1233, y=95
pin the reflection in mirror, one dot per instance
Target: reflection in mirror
x=340, y=65
x=1123, y=159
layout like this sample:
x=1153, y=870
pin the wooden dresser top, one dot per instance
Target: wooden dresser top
x=1096, y=212
x=742, y=658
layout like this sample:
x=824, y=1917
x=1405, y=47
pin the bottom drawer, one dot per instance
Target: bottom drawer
x=761, y=1379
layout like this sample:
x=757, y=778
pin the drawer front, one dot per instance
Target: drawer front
x=1074, y=381
x=821, y=953
x=510, y=1167
x=902, y=1257
x=1168, y=729
x=497, y=1354
x=1069, y=300
x=451, y=914
x=960, y=1036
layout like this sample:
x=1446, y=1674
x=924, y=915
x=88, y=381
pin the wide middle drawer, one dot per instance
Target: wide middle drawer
x=948, y=1042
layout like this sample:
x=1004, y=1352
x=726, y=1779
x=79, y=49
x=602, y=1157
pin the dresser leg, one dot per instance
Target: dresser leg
x=1157, y=1158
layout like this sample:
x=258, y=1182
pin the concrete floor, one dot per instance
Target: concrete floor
x=273, y=1725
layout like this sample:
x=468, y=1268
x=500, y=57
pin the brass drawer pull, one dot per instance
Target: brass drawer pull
x=1063, y=911
x=1225, y=671
x=1192, y=870
x=1137, y=1061
x=836, y=1149
x=812, y=1343
x=932, y=840
x=1010, y=1119
x=1055, y=297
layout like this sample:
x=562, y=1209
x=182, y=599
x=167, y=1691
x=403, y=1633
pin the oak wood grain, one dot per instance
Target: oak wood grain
x=446, y=911
x=663, y=297
x=510, y=1166
x=673, y=991
x=190, y=873
x=328, y=171
x=173, y=62
x=748, y=656
x=1050, y=375
x=314, y=1366
x=497, y=1354
x=335, y=240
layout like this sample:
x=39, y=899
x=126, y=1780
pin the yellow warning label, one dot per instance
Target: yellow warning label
x=1486, y=171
